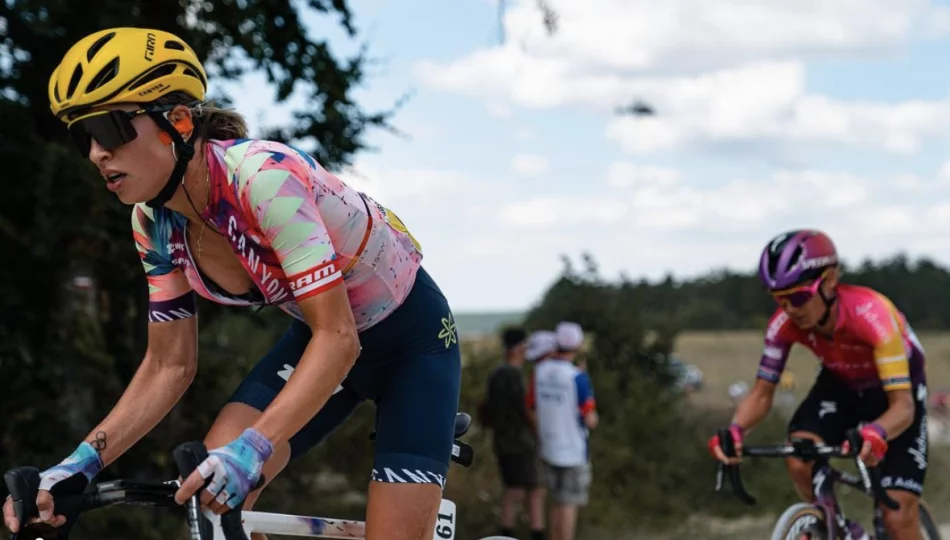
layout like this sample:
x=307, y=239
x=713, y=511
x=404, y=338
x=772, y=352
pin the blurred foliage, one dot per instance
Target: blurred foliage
x=648, y=453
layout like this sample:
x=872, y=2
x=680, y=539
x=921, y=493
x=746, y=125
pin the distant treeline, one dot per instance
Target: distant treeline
x=726, y=300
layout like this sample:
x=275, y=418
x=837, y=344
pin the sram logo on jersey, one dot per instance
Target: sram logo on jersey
x=315, y=280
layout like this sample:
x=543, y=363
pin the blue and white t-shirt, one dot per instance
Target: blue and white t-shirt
x=561, y=394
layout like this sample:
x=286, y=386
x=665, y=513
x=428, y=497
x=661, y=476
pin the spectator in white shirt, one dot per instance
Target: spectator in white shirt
x=562, y=398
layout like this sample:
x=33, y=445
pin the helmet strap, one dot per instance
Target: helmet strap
x=829, y=302
x=184, y=150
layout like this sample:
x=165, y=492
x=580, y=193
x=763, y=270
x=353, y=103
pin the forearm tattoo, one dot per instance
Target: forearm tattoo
x=99, y=443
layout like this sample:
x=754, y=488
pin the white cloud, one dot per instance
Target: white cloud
x=649, y=220
x=546, y=212
x=419, y=186
x=943, y=177
x=645, y=220
x=454, y=217
x=525, y=134
x=651, y=199
x=766, y=103
x=644, y=35
x=499, y=110
x=732, y=71
x=530, y=164
x=730, y=75
x=623, y=174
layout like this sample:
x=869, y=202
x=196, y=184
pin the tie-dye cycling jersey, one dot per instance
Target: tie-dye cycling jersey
x=297, y=230
x=873, y=345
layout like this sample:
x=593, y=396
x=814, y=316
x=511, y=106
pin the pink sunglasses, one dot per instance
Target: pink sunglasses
x=799, y=296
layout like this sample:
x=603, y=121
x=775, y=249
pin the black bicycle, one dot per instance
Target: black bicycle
x=823, y=519
x=22, y=483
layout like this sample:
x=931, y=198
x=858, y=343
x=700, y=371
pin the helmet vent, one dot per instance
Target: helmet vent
x=174, y=45
x=159, y=71
x=191, y=73
x=105, y=75
x=94, y=49
x=796, y=255
x=74, y=82
x=773, y=264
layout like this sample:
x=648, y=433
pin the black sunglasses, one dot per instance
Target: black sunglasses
x=111, y=128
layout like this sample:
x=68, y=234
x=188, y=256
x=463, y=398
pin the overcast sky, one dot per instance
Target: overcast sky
x=772, y=114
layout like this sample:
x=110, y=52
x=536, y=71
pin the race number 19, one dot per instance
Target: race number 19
x=445, y=521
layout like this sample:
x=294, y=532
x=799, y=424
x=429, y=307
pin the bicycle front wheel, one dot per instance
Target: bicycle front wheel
x=800, y=521
x=928, y=526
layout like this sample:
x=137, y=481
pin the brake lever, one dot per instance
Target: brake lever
x=720, y=466
x=187, y=457
x=22, y=484
x=738, y=489
x=870, y=476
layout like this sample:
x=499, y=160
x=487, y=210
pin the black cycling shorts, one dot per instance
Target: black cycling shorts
x=831, y=408
x=410, y=365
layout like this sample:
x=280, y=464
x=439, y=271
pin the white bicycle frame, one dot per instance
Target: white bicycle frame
x=316, y=527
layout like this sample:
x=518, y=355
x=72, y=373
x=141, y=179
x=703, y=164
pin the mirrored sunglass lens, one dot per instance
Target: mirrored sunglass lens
x=797, y=298
x=80, y=138
x=110, y=130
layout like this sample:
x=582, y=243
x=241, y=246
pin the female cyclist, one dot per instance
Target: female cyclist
x=249, y=222
x=871, y=372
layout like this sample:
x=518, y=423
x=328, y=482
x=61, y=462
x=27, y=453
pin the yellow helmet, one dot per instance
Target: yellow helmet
x=124, y=65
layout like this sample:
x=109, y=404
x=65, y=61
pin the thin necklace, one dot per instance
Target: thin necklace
x=204, y=224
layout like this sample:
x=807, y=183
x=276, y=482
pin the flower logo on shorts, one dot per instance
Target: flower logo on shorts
x=449, y=332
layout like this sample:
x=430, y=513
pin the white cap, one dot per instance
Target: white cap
x=540, y=343
x=570, y=337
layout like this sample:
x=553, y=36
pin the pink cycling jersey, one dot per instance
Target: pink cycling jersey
x=297, y=230
x=873, y=345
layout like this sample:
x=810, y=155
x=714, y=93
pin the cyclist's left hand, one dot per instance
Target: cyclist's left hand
x=874, y=446
x=233, y=470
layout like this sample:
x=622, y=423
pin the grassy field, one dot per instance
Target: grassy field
x=727, y=357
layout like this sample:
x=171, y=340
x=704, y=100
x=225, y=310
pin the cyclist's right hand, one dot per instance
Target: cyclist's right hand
x=9, y=517
x=715, y=445
x=45, y=505
x=71, y=476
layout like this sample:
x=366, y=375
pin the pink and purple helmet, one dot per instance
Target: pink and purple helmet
x=796, y=257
